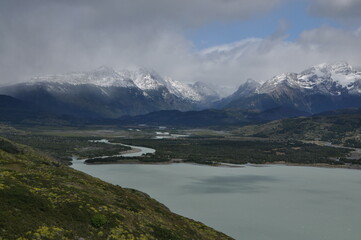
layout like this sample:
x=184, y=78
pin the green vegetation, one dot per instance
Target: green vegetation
x=41, y=199
x=280, y=143
x=149, y=158
x=64, y=147
x=99, y=220
x=355, y=143
x=206, y=151
x=8, y=147
x=337, y=129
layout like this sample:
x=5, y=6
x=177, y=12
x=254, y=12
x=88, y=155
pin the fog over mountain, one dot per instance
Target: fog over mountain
x=107, y=93
x=45, y=37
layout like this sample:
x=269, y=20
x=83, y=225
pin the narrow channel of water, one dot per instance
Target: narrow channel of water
x=139, y=151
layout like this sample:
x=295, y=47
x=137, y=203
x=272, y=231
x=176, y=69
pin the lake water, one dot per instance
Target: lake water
x=254, y=203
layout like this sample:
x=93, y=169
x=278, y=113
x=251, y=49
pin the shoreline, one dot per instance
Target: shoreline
x=137, y=149
x=320, y=165
x=231, y=165
x=133, y=150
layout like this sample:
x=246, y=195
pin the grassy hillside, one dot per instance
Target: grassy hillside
x=41, y=199
x=63, y=148
x=341, y=129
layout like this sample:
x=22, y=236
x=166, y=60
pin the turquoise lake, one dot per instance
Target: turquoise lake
x=272, y=202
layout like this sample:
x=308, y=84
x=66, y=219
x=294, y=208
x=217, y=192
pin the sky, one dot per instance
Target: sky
x=223, y=42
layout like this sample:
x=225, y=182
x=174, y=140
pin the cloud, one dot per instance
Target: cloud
x=345, y=10
x=47, y=36
x=51, y=36
x=262, y=59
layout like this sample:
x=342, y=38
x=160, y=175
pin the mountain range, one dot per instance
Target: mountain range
x=106, y=93
x=143, y=96
x=320, y=88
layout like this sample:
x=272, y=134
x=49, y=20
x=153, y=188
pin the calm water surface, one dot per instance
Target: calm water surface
x=252, y=203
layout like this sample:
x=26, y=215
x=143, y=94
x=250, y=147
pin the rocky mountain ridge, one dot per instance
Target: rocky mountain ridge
x=320, y=88
x=106, y=93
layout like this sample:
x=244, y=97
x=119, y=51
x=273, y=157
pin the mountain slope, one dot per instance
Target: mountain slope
x=244, y=90
x=149, y=80
x=208, y=93
x=105, y=93
x=341, y=127
x=320, y=88
x=204, y=118
x=208, y=117
x=41, y=199
x=16, y=111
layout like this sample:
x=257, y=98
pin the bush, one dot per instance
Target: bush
x=99, y=220
x=8, y=147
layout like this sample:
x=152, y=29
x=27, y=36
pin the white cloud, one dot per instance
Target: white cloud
x=263, y=58
x=49, y=36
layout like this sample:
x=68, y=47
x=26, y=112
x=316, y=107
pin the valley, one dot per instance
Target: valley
x=282, y=146
x=230, y=152
x=202, y=146
x=91, y=122
x=44, y=199
x=180, y=120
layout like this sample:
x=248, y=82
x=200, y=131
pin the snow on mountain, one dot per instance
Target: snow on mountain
x=325, y=87
x=103, y=76
x=329, y=79
x=142, y=78
x=183, y=90
x=206, y=91
x=150, y=80
x=246, y=89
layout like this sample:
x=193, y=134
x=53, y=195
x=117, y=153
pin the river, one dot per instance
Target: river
x=273, y=202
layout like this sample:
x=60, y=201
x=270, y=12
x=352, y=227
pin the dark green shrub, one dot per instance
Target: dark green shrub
x=8, y=147
x=99, y=220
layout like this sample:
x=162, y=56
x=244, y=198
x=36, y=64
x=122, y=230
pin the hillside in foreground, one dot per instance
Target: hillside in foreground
x=41, y=199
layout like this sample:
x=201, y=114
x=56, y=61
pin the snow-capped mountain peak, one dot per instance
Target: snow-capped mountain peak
x=103, y=77
x=143, y=79
x=320, y=88
x=340, y=72
x=182, y=90
x=205, y=90
x=148, y=80
x=324, y=78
